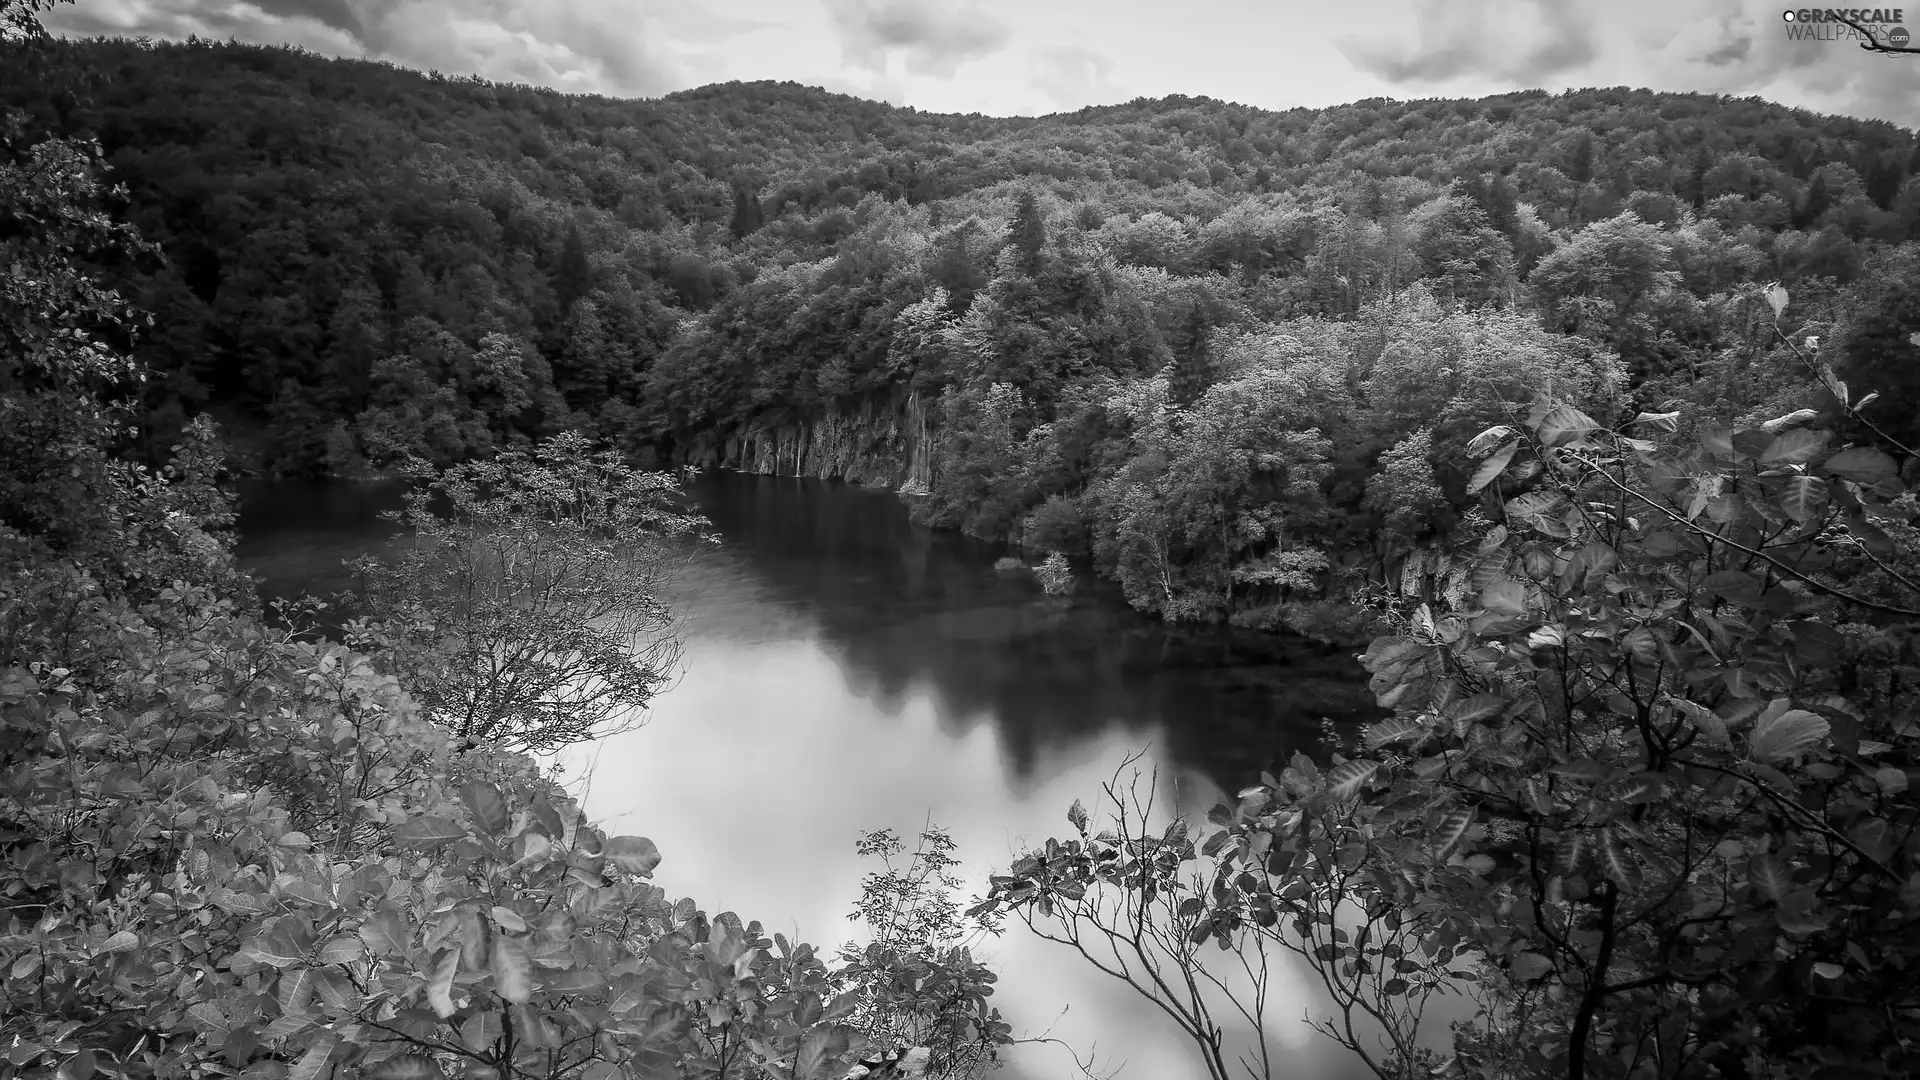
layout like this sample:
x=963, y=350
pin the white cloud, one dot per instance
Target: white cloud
x=1073, y=76
x=1035, y=56
x=933, y=38
x=588, y=46
x=1711, y=46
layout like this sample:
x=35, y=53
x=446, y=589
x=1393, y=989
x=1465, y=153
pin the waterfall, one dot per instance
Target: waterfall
x=884, y=446
x=919, y=479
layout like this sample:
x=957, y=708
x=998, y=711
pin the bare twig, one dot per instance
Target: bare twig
x=1873, y=42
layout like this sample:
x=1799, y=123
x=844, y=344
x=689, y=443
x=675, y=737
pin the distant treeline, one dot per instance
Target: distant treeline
x=1227, y=354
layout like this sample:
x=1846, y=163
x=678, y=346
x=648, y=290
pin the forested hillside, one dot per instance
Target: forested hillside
x=1601, y=407
x=1227, y=354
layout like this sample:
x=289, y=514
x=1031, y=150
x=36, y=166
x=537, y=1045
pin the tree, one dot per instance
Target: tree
x=1027, y=232
x=747, y=215
x=20, y=20
x=1580, y=159
x=572, y=271
x=352, y=893
x=1875, y=347
x=69, y=388
x=1138, y=901
x=528, y=613
x=1502, y=205
x=1648, y=779
x=1609, y=280
x=917, y=981
x=1814, y=203
x=1697, y=178
x=1193, y=365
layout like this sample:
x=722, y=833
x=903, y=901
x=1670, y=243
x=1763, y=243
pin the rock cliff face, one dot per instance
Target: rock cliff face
x=885, y=445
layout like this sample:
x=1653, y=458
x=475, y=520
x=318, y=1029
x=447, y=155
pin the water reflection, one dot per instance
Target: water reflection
x=849, y=671
x=903, y=607
x=760, y=770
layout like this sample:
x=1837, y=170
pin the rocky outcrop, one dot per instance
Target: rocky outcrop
x=874, y=445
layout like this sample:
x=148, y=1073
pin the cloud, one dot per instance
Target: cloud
x=333, y=13
x=1710, y=46
x=874, y=87
x=619, y=47
x=934, y=38
x=1522, y=41
x=1072, y=76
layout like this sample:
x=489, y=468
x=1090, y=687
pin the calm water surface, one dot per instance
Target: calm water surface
x=847, y=670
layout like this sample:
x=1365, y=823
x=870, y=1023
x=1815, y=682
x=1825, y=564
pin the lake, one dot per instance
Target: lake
x=847, y=670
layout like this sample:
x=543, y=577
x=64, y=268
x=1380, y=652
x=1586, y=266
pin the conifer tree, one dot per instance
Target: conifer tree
x=747, y=215
x=1028, y=232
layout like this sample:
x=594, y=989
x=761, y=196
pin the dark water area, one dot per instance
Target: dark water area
x=295, y=535
x=848, y=670
x=905, y=606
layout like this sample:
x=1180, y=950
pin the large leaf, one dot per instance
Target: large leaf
x=1476, y=708
x=440, y=982
x=484, y=800
x=475, y=939
x=428, y=831
x=1794, y=447
x=512, y=970
x=342, y=949
x=276, y=948
x=1535, y=505
x=295, y=991
x=1564, y=424
x=1777, y=738
x=1504, y=597
x=206, y=1014
x=284, y=1027
x=314, y=1060
x=1569, y=852
x=385, y=931
x=634, y=854
x=1752, y=442
x=1492, y=467
x=1803, y=497
x=814, y=1055
x=1618, y=862
x=1451, y=829
x=1769, y=875
x=1388, y=655
x=533, y=846
x=1863, y=465
x=1488, y=439
x=1392, y=730
x=1345, y=780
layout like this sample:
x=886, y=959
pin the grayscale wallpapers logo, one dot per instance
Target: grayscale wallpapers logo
x=1878, y=26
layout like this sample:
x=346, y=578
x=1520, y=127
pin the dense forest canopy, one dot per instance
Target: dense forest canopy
x=1067, y=332
x=1595, y=412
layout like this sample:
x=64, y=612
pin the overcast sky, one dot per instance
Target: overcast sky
x=1037, y=56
